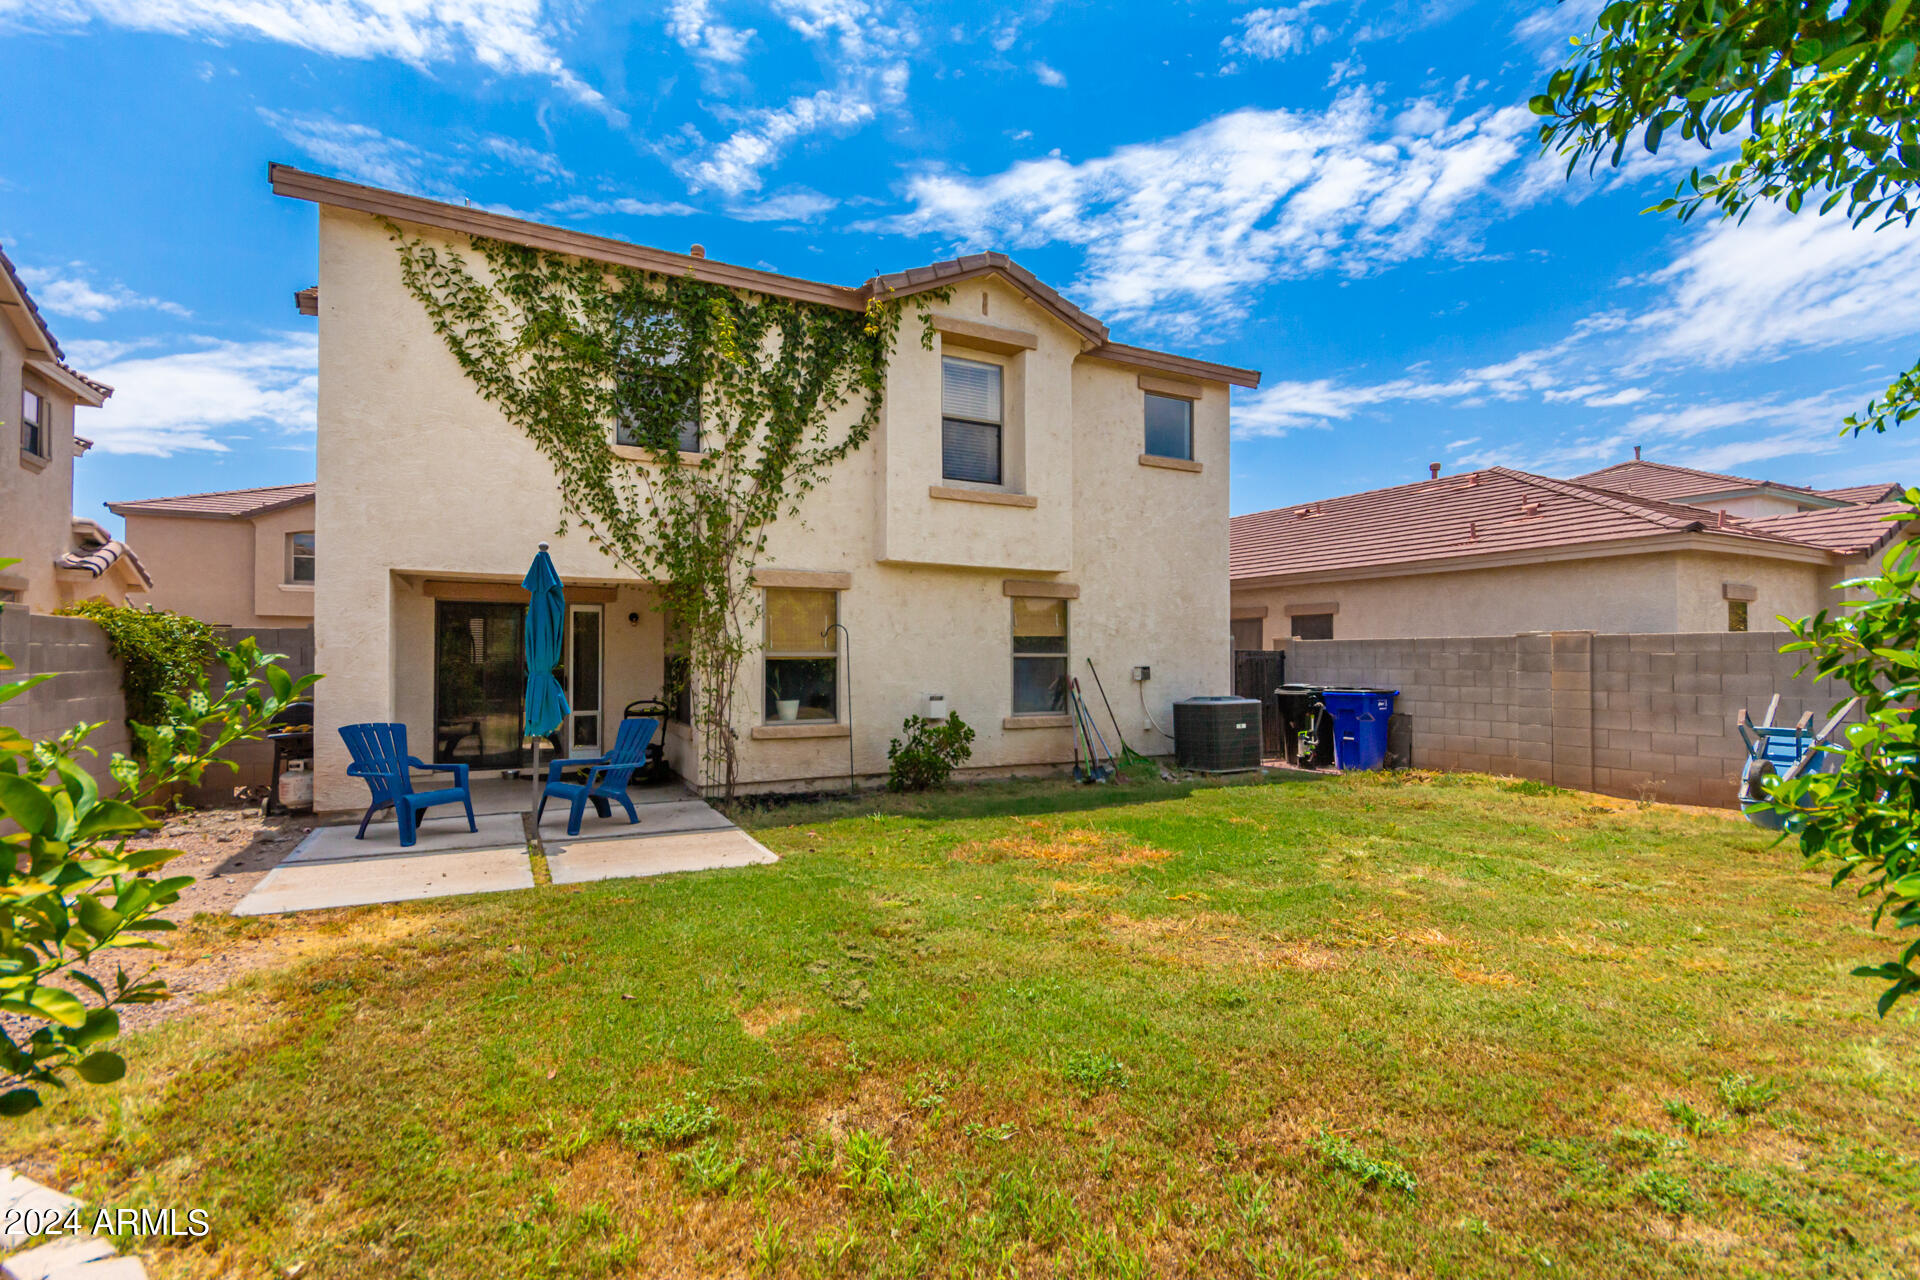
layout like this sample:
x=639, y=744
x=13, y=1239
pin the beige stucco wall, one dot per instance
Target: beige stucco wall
x=1656, y=593
x=36, y=498
x=223, y=571
x=277, y=602
x=402, y=434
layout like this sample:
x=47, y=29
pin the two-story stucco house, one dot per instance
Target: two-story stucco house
x=61, y=559
x=235, y=558
x=1035, y=495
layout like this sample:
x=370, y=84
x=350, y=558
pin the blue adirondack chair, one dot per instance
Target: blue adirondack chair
x=606, y=777
x=380, y=760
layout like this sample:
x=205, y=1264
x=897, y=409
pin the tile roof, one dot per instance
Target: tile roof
x=1664, y=480
x=1847, y=531
x=95, y=561
x=300, y=185
x=225, y=504
x=1857, y=493
x=1497, y=511
x=32, y=309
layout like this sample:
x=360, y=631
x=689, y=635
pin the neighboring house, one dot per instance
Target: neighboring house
x=1637, y=547
x=237, y=558
x=1035, y=495
x=62, y=559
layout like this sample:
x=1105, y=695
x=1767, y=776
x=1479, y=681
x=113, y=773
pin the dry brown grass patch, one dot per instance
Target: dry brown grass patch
x=762, y=1018
x=1216, y=938
x=1056, y=842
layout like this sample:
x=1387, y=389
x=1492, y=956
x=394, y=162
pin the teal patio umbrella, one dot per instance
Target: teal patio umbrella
x=546, y=704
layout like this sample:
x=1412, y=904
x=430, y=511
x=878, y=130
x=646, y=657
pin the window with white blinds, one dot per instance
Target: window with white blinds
x=970, y=420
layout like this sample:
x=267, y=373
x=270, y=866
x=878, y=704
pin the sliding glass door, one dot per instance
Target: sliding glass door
x=479, y=683
x=583, y=679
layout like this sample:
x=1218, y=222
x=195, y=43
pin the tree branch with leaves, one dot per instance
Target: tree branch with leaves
x=77, y=886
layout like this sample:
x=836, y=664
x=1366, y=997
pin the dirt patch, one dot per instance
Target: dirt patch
x=761, y=1019
x=1063, y=845
x=1216, y=938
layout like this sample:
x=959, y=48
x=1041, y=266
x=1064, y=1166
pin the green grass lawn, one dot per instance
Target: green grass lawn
x=1345, y=1027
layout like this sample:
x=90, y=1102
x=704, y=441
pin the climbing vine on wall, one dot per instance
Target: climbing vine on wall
x=577, y=354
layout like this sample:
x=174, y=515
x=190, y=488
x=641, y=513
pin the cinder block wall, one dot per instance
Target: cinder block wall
x=85, y=687
x=1629, y=715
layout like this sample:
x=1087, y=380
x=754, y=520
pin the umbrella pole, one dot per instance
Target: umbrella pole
x=534, y=803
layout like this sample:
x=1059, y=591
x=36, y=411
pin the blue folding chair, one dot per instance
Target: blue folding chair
x=380, y=760
x=606, y=777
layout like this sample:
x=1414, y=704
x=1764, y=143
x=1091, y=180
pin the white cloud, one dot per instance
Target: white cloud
x=1049, y=77
x=1780, y=282
x=590, y=207
x=507, y=36
x=1182, y=229
x=692, y=25
x=799, y=204
x=863, y=44
x=1267, y=34
x=528, y=161
x=198, y=398
x=67, y=291
x=361, y=152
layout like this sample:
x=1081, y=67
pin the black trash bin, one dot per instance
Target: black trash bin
x=1304, y=713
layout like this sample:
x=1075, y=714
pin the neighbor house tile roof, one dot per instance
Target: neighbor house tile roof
x=1493, y=512
x=1847, y=531
x=1862, y=493
x=24, y=300
x=225, y=504
x=1664, y=480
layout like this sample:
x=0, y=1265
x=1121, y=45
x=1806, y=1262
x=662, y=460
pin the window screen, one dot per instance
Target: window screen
x=970, y=408
x=35, y=421
x=1169, y=427
x=1313, y=626
x=802, y=659
x=1039, y=656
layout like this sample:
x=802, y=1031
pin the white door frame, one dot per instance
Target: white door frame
x=597, y=711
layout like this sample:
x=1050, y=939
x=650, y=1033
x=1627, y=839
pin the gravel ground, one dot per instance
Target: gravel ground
x=227, y=851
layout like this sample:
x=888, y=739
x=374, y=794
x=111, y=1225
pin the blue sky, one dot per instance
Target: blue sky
x=1346, y=196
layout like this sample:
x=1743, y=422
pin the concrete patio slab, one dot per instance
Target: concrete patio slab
x=655, y=819
x=611, y=859
x=396, y=877
x=436, y=835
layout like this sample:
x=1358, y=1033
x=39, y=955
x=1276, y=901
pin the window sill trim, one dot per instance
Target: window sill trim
x=296, y=586
x=654, y=456
x=990, y=497
x=834, y=730
x=1170, y=464
x=33, y=461
x=1037, y=722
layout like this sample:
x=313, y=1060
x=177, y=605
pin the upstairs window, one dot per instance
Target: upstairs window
x=650, y=380
x=300, y=559
x=970, y=420
x=802, y=656
x=1169, y=427
x=36, y=424
x=1039, y=656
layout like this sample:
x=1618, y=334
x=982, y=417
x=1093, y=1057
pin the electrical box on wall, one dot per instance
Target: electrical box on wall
x=936, y=706
x=1143, y=673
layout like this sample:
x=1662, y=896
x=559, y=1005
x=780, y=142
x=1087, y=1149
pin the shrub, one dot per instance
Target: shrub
x=928, y=756
x=74, y=881
x=159, y=652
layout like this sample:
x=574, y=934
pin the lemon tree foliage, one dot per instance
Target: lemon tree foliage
x=1862, y=820
x=77, y=884
x=580, y=354
x=1795, y=104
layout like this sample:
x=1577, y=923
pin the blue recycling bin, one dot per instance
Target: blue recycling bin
x=1360, y=719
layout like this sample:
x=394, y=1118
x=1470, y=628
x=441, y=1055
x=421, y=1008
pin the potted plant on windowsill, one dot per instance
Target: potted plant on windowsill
x=785, y=709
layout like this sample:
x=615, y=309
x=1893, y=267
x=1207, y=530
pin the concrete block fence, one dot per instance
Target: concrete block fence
x=87, y=686
x=1641, y=716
